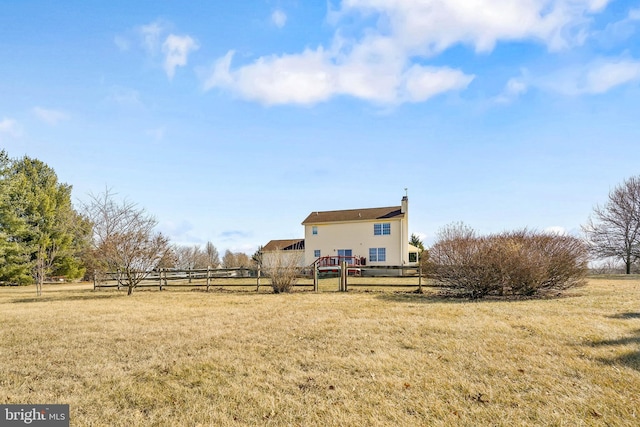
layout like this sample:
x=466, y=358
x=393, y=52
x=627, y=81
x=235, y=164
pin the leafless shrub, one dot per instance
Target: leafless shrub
x=510, y=263
x=124, y=239
x=282, y=268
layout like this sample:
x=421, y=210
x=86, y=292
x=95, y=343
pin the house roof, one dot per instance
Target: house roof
x=284, y=245
x=368, y=214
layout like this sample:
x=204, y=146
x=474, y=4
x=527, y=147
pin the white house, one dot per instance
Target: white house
x=377, y=236
x=368, y=236
x=283, y=252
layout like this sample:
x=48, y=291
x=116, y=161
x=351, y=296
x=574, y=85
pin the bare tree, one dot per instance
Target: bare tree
x=229, y=259
x=613, y=230
x=124, y=239
x=190, y=257
x=213, y=258
x=183, y=257
x=169, y=259
x=242, y=260
x=236, y=260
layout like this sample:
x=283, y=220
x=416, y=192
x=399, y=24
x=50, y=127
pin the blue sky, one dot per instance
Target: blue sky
x=231, y=121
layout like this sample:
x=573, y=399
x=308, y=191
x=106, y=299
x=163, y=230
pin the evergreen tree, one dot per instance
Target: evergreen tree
x=416, y=241
x=41, y=232
x=14, y=253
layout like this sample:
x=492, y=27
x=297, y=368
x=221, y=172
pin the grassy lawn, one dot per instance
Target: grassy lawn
x=186, y=357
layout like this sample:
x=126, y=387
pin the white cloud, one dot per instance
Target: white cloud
x=617, y=32
x=52, y=117
x=298, y=79
x=384, y=62
x=220, y=75
x=313, y=76
x=608, y=75
x=176, y=50
x=9, y=127
x=151, y=35
x=597, y=77
x=279, y=18
x=422, y=83
x=514, y=87
x=431, y=26
x=173, y=48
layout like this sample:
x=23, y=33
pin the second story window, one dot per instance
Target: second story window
x=382, y=229
x=314, y=230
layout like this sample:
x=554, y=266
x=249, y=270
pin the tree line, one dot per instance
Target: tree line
x=42, y=235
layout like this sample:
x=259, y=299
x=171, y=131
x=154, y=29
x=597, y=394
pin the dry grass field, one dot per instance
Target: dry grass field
x=188, y=358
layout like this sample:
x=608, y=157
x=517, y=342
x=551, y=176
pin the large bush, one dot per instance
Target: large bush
x=283, y=269
x=520, y=262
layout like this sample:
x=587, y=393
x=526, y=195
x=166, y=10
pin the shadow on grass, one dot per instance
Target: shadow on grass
x=416, y=297
x=628, y=315
x=614, y=276
x=89, y=295
x=448, y=296
x=630, y=358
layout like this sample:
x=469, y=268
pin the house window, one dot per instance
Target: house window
x=345, y=252
x=316, y=253
x=377, y=254
x=382, y=229
x=413, y=256
x=314, y=230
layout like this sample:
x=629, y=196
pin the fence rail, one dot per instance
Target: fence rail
x=255, y=277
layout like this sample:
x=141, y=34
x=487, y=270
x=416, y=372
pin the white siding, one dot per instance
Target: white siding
x=359, y=237
x=271, y=258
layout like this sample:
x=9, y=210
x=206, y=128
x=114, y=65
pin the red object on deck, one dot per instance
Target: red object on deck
x=332, y=263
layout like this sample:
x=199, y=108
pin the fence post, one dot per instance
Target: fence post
x=343, y=276
x=160, y=278
x=258, y=279
x=315, y=278
x=419, y=277
x=346, y=277
x=208, y=277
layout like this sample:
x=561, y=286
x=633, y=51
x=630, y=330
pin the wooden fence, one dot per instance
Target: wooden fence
x=255, y=278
